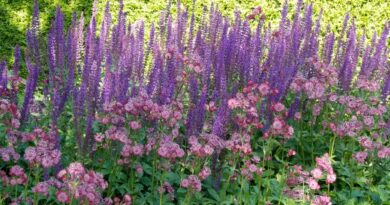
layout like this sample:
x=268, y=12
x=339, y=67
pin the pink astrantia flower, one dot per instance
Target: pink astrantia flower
x=9, y=153
x=297, y=116
x=264, y=89
x=330, y=178
x=62, y=197
x=16, y=171
x=126, y=199
x=360, y=157
x=76, y=169
x=294, y=194
x=135, y=125
x=18, y=176
x=366, y=143
x=316, y=173
x=277, y=124
x=233, y=103
x=321, y=200
x=252, y=168
x=291, y=153
x=41, y=188
x=206, y=171
x=81, y=184
x=279, y=107
x=192, y=182
x=138, y=150
x=99, y=137
x=170, y=150
x=45, y=152
x=313, y=184
x=256, y=159
x=324, y=163
x=384, y=152
x=185, y=183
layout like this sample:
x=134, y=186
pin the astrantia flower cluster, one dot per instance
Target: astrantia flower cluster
x=324, y=165
x=169, y=149
x=251, y=168
x=322, y=77
x=298, y=176
x=167, y=188
x=16, y=176
x=81, y=184
x=45, y=152
x=9, y=153
x=321, y=200
x=143, y=105
x=239, y=143
x=192, y=182
x=10, y=109
x=74, y=182
x=205, y=145
x=247, y=102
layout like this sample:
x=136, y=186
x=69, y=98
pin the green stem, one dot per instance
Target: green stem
x=229, y=178
x=161, y=196
x=154, y=171
x=113, y=171
x=259, y=199
x=132, y=178
x=332, y=143
x=36, y=180
x=241, y=186
x=187, y=197
x=267, y=163
x=25, y=187
x=331, y=150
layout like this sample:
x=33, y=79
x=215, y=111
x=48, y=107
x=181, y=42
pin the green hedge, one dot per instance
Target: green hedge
x=15, y=15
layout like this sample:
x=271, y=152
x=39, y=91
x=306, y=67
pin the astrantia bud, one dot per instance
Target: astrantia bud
x=291, y=152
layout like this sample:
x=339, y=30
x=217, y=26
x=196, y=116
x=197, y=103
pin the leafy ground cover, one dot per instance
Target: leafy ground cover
x=217, y=110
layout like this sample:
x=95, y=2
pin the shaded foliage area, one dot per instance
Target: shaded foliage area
x=15, y=17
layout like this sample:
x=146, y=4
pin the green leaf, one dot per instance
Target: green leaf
x=121, y=176
x=173, y=177
x=357, y=193
x=213, y=194
x=147, y=168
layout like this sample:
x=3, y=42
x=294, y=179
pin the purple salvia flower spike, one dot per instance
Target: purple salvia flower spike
x=3, y=75
x=31, y=84
x=16, y=66
x=15, y=74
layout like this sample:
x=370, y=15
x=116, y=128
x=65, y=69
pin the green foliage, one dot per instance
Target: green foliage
x=15, y=15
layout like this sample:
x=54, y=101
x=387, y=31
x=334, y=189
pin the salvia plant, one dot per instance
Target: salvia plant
x=225, y=111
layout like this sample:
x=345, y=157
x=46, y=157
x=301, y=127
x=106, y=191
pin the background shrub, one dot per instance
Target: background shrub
x=15, y=15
